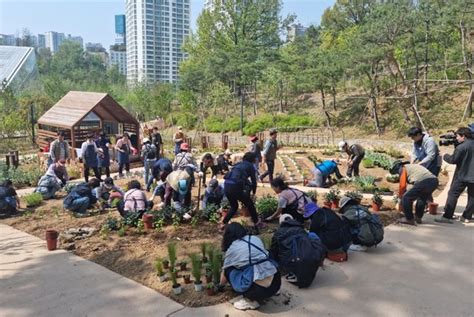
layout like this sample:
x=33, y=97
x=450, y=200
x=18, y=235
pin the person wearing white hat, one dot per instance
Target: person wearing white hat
x=356, y=153
x=148, y=155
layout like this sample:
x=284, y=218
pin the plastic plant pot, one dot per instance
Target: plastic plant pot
x=148, y=221
x=375, y=207
x=52, y=239
x=177, y=289
x=198, y=286
x=335, y=204
x=163, y=278
x=166, y=264
x=433, y=208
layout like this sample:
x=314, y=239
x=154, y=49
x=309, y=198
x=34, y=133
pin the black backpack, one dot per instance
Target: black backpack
x=306, y=256
x=366, y=228
x=149, y=152
x=3, y=192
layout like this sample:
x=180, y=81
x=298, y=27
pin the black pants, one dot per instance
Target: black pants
x=86, y=172
x=234, y=194
x=421, y=192
x=270, y=169
x=456, y=189
x=107, y=171
x=355, y=166
x=257, y=292
x=127, y=168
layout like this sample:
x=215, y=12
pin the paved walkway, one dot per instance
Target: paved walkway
x=417, y=271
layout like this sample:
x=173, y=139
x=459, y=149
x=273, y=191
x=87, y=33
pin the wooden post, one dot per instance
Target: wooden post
x=225, y=141
x=204, y=142
x=73, y=143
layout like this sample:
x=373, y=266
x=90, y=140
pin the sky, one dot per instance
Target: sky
x=94, y=20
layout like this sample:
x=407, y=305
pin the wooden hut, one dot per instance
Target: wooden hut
x=79, y=113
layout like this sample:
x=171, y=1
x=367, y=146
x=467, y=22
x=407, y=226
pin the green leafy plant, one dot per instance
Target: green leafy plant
x=368, y=163
x=209, y=212
x=131, y=219
x=196, y=267
x=69, y=187
x=104, y=232
x=159, y=267
x=173, y=275
x=140, y=226
x=211, y=249
x=377, y=199
x=216, y=265
x=333, y=194
x=267, y=241
x=172, y=253
x=365, y=183
x=194, y=221
x=122, y=231
x=392, y=178
x=112, y=223
x=313, y=194
x=266, y=206
x=176, y=221
x=33, y=199
x=204, y=247
x=355, y=195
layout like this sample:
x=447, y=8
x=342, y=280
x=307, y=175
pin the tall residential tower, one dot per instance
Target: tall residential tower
x=155, y=32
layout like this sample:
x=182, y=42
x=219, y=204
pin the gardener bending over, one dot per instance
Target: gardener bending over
x=356, y=153
x=214, y=194
x=54, y=179
x=134, y=200
x=322, y=173
x=290, y=201
x=81, y=197
x=107, y=192
x=9, y=201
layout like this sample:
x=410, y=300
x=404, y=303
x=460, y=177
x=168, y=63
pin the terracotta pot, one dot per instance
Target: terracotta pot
x=337, y=256
x=204, y=259
x=335, y=204
x=182, y=266
x=148, y=221
x=375, y=207
x=400, y=207
x=166, y=264
x=210, y=291
x=433, y=208
x=327, y=204
x=187, y=279
x=52, y=239
x=208, y=279
x=245, y=212
x=305, y=182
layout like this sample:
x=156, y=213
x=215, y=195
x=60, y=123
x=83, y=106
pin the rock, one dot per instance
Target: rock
x=67, y=237
x=69, y=246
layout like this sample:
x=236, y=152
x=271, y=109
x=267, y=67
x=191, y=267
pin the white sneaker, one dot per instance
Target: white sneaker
x=358, y=248
x=291, y=278
x=187, y=216
x=245, y=304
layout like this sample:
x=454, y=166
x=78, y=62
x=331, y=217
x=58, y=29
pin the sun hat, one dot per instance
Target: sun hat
x=145, y=140
x=285, y=217
x=342, y=144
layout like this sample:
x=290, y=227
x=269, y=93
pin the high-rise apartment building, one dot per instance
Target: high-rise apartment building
x=41, y=41
x=294, y=31
x=76, y=39
x=53, y=40
x=155, y=32
x=120, y=29
x=118, y=56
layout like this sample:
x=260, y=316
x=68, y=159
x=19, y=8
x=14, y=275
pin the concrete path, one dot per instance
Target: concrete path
x=426, y=270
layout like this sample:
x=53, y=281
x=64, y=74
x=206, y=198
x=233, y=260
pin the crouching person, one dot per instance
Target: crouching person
x=366, y=228
x=248, y=267
x=81, y=197
x=9, y=201
x=322, y=173
x=301, y=263
x=54, y=179
x=107, y=192
x=134, y=200
x=214, y=194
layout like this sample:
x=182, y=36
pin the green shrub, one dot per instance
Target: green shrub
x=33, y=199
x=210, y=212
x=196, y=267
x=216, y=124
x=368, y=163
x=23, y=176
x=286, y=122
x=266, y=206
x=355, y=195
x=333, y=194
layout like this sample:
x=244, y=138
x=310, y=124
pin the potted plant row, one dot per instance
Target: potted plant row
x=377, y=202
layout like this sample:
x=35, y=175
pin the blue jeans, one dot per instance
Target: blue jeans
x=80, y=205
x=147, y=165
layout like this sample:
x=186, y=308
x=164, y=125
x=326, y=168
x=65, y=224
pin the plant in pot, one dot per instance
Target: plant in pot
x=182, y=265
x=187, y=278
x=166, y=264
x=204, y=246
x=196, y=268
x=377, y=201
x=225, y=206
x=159, y=270
x=333, y=197
x=354, y=195
x=266, y=206
x=176, y=286
x=216, y=265
x=210, y=289
x=172, y=254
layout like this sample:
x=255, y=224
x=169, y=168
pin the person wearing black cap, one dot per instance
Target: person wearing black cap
x=106, y=191
x=425, y=150
x=214, y=194
x=104, y=156
x=269, y=155
x=424, y=184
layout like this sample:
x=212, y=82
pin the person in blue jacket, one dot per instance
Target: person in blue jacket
x=239, y=183
x=160, y=170
x=81, y=197
x=322, y=173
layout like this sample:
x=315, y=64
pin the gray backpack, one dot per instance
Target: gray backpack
x=366, y=228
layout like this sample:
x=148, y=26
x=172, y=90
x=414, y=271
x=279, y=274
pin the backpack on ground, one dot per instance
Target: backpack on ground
x=366, y=228
x=3, y=192
x=306, y=256
x=333, y=231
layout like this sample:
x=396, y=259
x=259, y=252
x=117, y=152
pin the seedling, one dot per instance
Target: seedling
x=196, y=267
x=204, y=247
x=172, y=254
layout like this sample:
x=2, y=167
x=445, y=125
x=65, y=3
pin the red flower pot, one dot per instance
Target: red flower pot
x=187, y=279
x=337, y=257
x=305, y=182
x=148, y=221
x=210, y=291
x=208, y=279
x=375, y=207
x=52, y=239
x=166, y=264
x=327, y=204
x=335, y=204
x=433, y=208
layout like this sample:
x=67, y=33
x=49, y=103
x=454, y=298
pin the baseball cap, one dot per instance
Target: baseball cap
x=183, y=186
x=145, y=140
x=213, y=183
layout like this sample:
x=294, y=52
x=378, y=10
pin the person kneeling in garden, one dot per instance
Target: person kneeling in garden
x=179, y=187
x=54, y=179
x=366, y=228
x=298, y=253
x=107, y=192
x=9, y=201
x=290, y=201
x=219, y=165
x=81, y=197
x=134, y=200
x=424, y=184
x=248, y=267
x=214, y=194
x=160, y=170
x=322, y=173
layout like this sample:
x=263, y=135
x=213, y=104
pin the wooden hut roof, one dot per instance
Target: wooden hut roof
x=75, y=105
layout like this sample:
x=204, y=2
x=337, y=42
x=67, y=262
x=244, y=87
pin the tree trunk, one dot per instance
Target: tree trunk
x=427, y=37
x=280, y=106
x=375, y=115
x=468, y=110
x=333, y=92
x=326, y=113
x=241, y=93
x=415, y=107
x=255, y=100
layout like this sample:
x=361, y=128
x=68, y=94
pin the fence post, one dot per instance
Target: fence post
x=225, y=141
